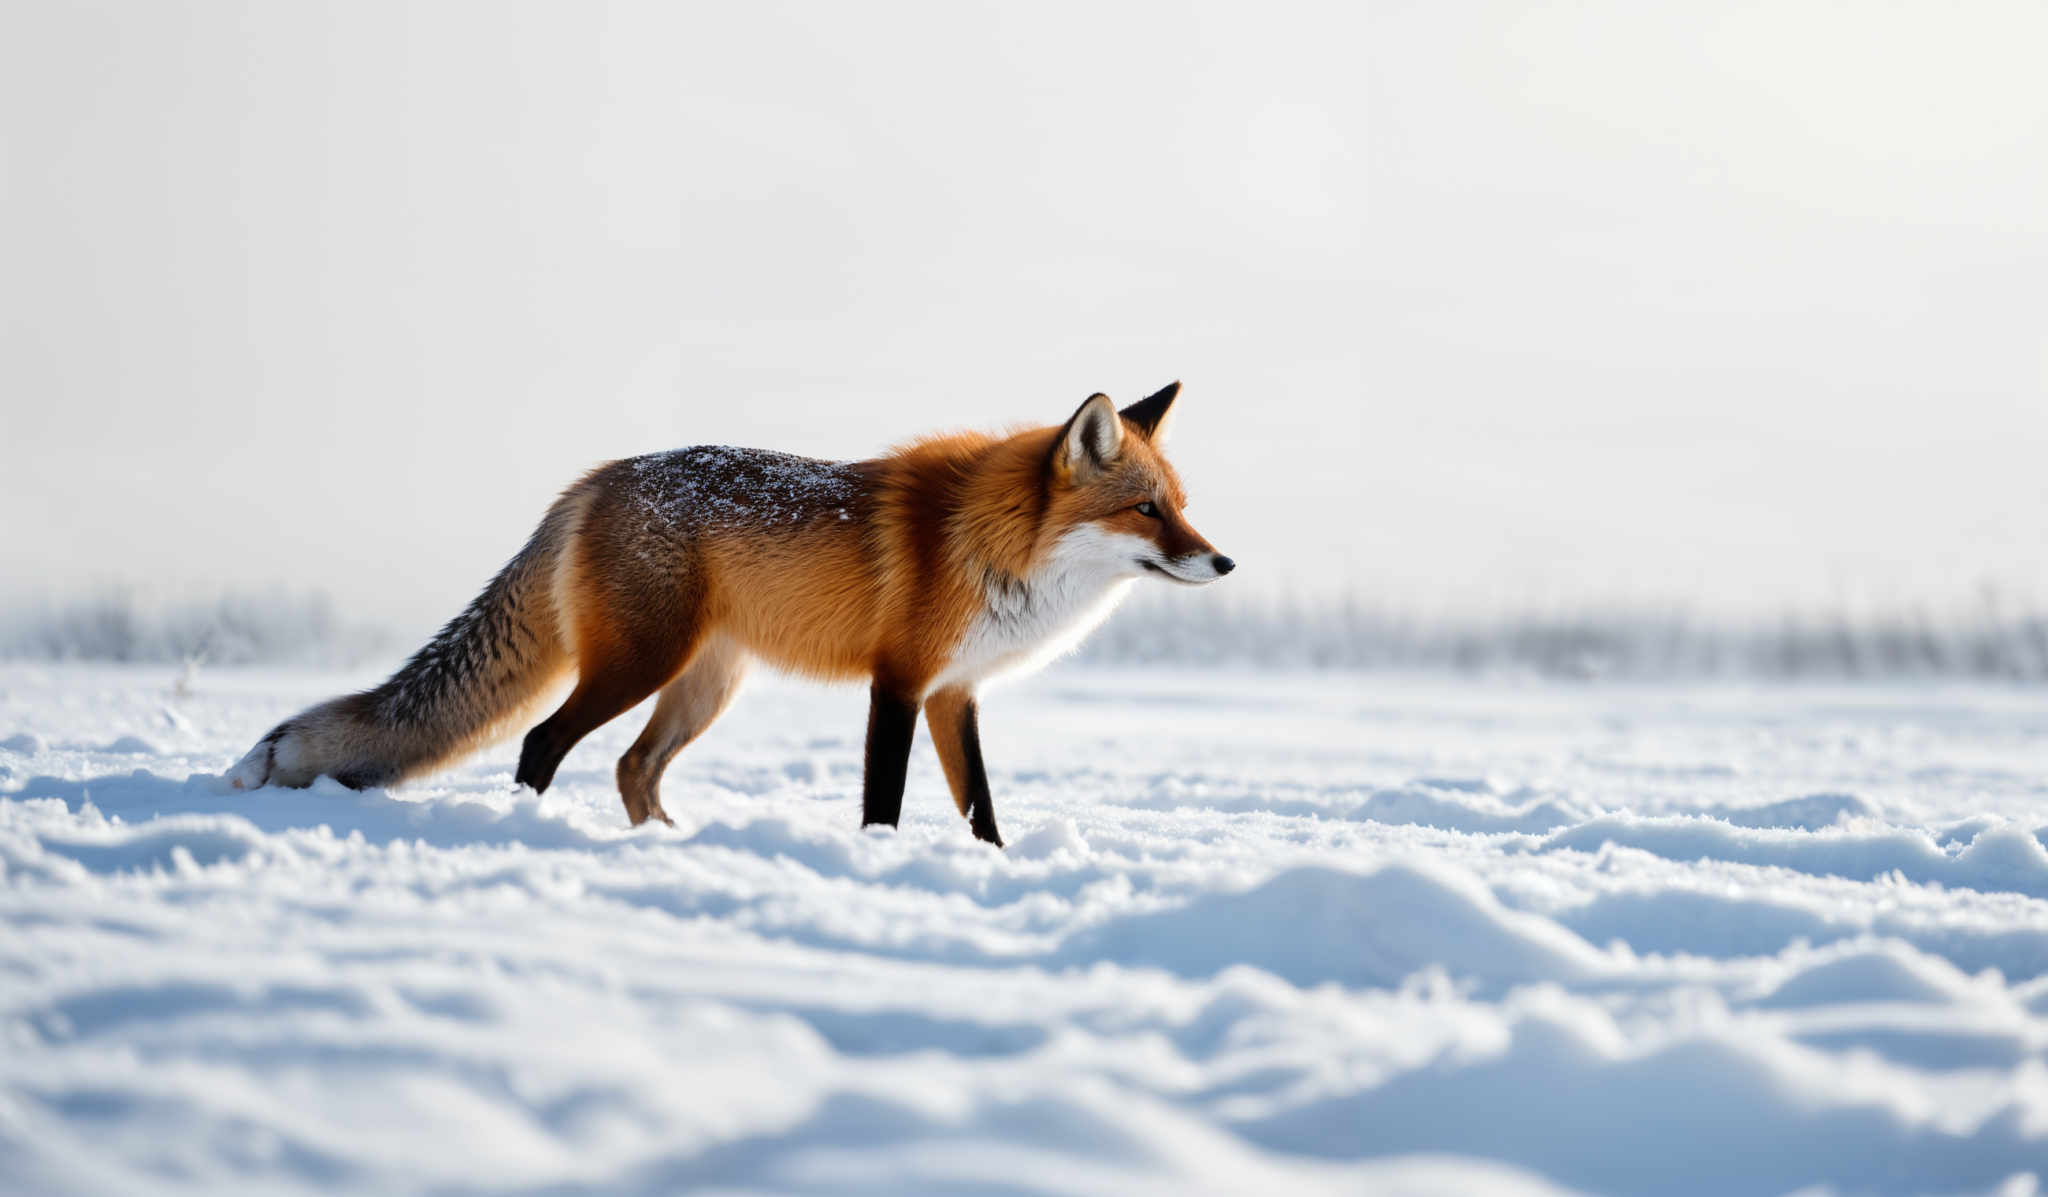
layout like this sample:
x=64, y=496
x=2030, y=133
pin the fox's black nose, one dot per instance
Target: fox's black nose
x=1223, y=564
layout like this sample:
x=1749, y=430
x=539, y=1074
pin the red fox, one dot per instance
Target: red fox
x=925, y=571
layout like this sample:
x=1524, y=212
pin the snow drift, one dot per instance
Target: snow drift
x=1255, y=933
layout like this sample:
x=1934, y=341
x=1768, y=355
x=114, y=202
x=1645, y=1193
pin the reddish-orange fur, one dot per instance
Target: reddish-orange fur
x=888, y=593
x=668, y=573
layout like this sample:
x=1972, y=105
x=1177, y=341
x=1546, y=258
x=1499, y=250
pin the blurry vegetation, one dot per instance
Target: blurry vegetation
x=131, y=624
x=1986, y=639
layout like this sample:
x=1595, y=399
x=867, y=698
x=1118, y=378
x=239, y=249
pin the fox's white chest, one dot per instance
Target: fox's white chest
x=1024, y=625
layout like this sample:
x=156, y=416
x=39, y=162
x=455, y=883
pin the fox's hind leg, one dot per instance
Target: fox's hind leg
x=686, y=707
x=617, y=665
x=603, y=693
x=633, y=602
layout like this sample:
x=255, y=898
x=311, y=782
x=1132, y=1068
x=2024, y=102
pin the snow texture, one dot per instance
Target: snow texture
x=1254, y=933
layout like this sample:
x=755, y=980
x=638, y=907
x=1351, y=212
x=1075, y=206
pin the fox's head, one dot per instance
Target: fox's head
x=1120, y=503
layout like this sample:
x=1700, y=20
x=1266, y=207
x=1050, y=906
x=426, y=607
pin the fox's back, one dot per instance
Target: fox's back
x=717, y=487
x=774, y=549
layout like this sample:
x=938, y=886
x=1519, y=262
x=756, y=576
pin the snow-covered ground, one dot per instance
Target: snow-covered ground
x=1254, y=933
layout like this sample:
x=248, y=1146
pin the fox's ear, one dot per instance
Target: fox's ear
x=1090, y=441
x=1153, y=414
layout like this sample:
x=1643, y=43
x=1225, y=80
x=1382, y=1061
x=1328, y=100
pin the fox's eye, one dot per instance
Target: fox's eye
x=1146, y=508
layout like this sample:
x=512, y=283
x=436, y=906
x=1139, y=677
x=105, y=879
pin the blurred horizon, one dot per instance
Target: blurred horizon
x=1989, y=638
x=1481, y=309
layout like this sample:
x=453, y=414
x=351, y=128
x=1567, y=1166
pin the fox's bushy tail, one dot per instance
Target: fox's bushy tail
x=469, y=685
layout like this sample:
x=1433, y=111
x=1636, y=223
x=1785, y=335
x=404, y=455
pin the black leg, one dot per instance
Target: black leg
x=892, y=722
x=981, y=807
x=539, y=755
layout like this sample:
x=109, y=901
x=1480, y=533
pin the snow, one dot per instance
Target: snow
x=1255, y=932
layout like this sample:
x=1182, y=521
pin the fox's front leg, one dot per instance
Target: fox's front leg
x=892, y=722
x=956, y=733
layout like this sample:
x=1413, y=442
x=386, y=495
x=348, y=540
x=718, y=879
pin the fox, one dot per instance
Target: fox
x=927, y=571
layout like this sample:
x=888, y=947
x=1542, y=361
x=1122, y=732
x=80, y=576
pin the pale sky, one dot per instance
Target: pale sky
x=1494, y=305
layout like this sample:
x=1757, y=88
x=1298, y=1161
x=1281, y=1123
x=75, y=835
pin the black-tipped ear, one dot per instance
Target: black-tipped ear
x=1090, y=441
x=1152, y=414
